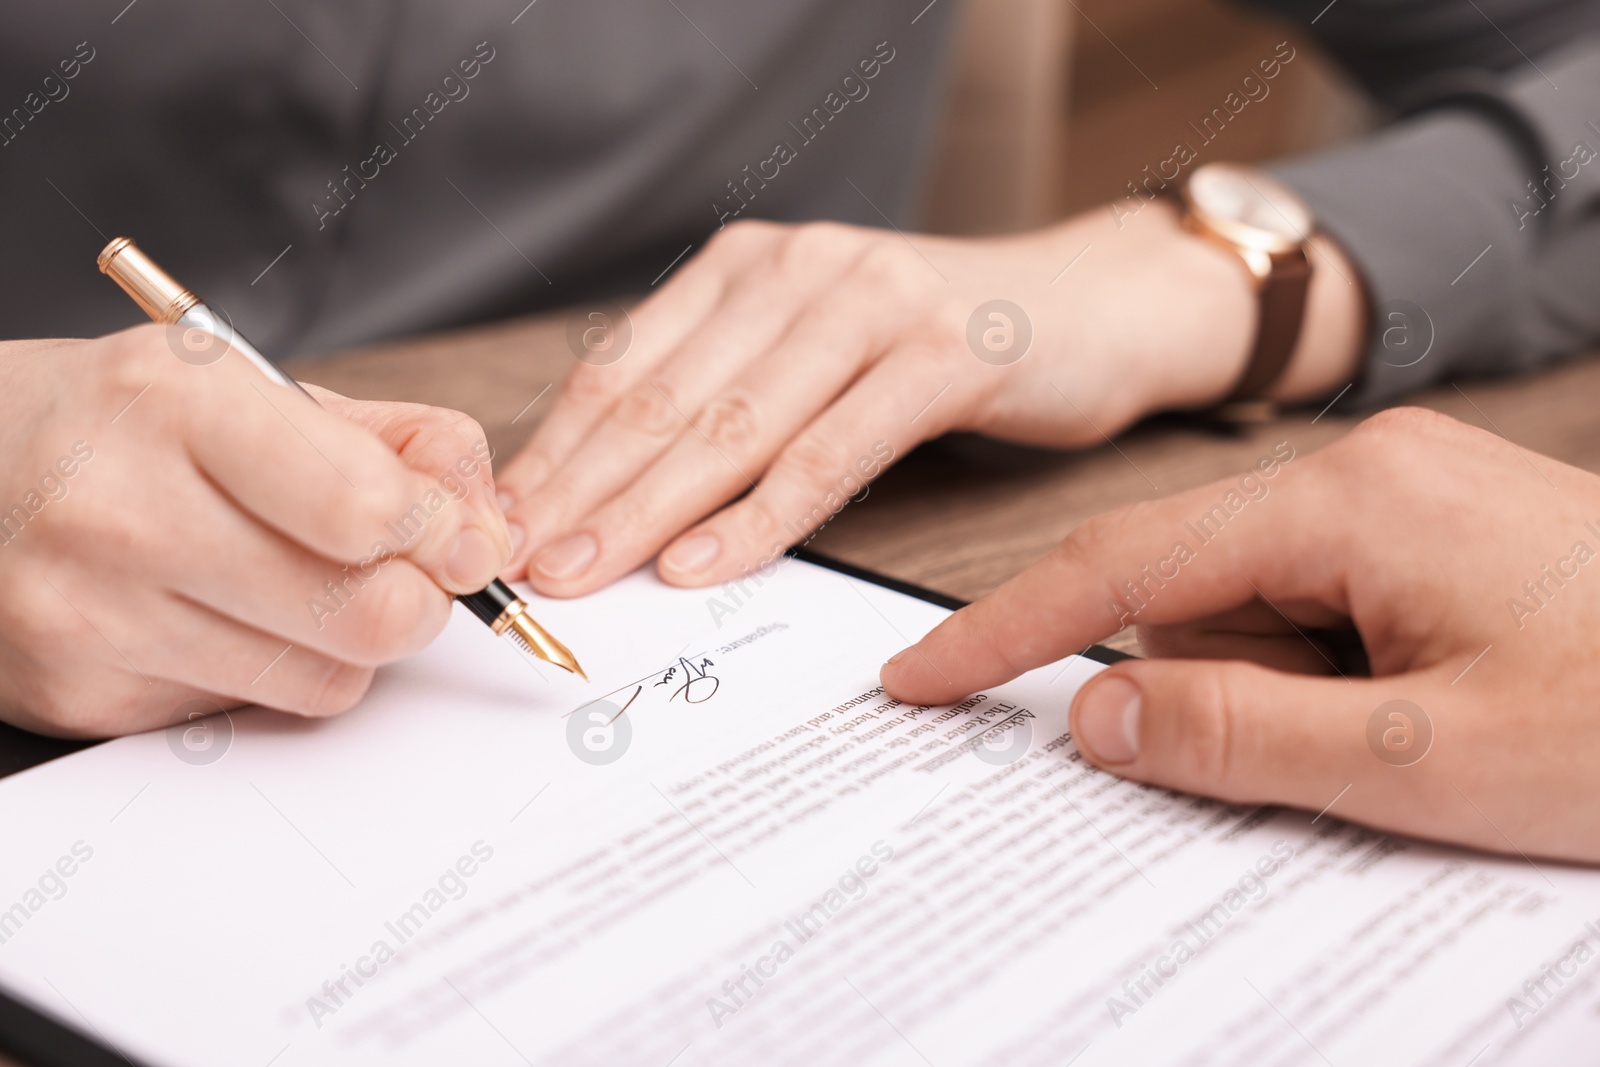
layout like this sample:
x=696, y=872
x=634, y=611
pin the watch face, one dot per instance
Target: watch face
x=1253, y=207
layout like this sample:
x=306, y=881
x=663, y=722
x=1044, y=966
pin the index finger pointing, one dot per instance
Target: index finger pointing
x=1163, y=561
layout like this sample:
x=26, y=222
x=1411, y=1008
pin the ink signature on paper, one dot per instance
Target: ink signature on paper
x=691, y=675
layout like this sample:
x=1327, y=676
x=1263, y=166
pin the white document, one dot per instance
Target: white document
x=778, y=865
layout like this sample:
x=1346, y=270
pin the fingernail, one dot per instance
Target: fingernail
x=694, y=553
x=896, y=658
x=569, y=557
x=473, y=559
x=519, y=537
x=505, y=500
x=1108, y=720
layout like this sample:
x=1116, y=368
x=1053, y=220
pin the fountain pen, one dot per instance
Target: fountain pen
x=169, y=303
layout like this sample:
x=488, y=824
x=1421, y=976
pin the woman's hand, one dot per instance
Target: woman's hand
x=790, y=364
x=171, y=531
x=1470, y=569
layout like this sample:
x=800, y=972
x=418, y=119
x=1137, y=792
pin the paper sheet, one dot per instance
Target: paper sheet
x=763, y=860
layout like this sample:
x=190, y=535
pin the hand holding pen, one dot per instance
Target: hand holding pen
x=165, y=301
x=165, y=527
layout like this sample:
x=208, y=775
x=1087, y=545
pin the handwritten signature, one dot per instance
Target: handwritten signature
x=696, y=680
x=696, y=684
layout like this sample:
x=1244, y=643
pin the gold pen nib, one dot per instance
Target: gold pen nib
x=537, y=640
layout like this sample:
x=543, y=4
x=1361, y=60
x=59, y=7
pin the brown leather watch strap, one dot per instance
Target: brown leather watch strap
x=1282, y=300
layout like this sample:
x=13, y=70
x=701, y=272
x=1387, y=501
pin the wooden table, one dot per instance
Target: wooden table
x=961, y=515
x=964, y=514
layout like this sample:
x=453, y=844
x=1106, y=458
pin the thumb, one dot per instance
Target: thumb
x=1231, y=730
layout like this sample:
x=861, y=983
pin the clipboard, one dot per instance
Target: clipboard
x=34, y=1039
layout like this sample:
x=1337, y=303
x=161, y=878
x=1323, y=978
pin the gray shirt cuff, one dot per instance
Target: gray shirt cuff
x=1469, y=268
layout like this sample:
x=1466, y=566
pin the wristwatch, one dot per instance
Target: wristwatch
x=1267, y=225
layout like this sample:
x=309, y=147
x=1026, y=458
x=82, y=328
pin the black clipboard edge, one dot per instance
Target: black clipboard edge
x=1097, y=653
x=31, y=1037
x=20, y=749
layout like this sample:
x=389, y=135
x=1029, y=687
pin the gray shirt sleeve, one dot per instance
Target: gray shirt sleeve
x=1473, y=221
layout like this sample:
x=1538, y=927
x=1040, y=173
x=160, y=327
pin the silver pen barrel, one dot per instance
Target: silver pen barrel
x=167, y=302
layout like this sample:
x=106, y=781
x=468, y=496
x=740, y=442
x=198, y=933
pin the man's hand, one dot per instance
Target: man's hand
x=171, y=532
x=790, y=364
x=1468, y=567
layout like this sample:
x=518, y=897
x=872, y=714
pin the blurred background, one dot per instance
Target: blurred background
x=1056, y=104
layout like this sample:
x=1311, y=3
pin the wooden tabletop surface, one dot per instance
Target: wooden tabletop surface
x=962, y=515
